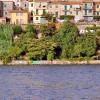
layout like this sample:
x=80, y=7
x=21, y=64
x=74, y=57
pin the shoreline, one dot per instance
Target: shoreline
x=23, y=62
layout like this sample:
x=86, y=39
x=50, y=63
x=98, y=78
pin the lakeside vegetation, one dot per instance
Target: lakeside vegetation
x=61, y=43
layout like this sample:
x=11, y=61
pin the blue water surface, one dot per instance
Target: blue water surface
x=39, y=82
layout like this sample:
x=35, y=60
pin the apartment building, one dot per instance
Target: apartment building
x=37, y=8
x=88, y=10
x=7, y=7
x=21, y=4
x=97, y=8
x=19, y=16
x=74, y=8
x=56, y=8
x=1, y=9
x=82, y=9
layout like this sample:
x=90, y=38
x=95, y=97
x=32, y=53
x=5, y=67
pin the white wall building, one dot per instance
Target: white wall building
x=37, y=9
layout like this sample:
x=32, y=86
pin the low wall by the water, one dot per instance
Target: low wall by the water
x=67, y=62
x=22, y=62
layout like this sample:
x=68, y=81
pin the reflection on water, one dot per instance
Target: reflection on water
x=70, y=82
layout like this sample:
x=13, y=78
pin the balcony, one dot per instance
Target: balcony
x=88, y=6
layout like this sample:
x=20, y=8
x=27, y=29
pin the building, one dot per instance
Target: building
x=1, y=9
x=2, y=20
x=21, y=4
x=7, y=7
x=56, y=8
x=19, y=16
x=81, y=10
x=97, y=8
x=88, y=10
x=74, y=9
x=37, y=9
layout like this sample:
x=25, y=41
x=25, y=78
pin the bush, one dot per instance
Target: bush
x=50, y=56
x=68, y=17
x=96, y=17
x=48, y=16
x=30, y=28
x=48, y=30
x=6, y=38
x=6, y=59
x=98, y=33
x=17, y=29
x=62, y=17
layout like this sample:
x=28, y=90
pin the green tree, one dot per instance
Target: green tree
x=39, y=48
x=48, y=30
x=30, y=28
x=6, y=40
x=68, y=27
x=89, y=44
x=77, y=50
x=48, y=17
x=50, y=56
x=17, y=30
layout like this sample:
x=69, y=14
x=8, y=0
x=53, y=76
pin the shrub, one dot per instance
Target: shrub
x=48, y=30
x=98, y=33
x=96, y=17
x=68, y=17
x=30, y=28
x=50, y=56
x=17, y=29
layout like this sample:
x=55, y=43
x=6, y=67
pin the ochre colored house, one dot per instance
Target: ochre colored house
x=19, y=16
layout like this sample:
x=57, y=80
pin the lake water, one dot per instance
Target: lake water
x=68, y=82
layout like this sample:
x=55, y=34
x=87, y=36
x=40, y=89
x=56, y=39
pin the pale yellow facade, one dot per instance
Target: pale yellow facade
x=19, y=18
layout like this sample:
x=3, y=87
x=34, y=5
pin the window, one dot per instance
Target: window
x=31, y=4
x=85, y=12
x=44, y=6
x=76, y=12
x=70, y=6
x=32, y=12
x=44, y=11
x=97, y=13
x=85, y=5
x=37, y=11
x=97, y=6
x=5, y=13
x=18, y=5
x=90, y=11
x=65, y=13
x=5, y=5
x=56, y=14
x=65, y=7
x=37, y=18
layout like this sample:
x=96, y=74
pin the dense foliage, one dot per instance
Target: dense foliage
x=96, y=17
x=68, y=17
x=17, y=29
x=65, y=43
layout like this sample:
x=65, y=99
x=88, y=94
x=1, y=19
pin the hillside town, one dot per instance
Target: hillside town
x=50, y=30
x=34, y=11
